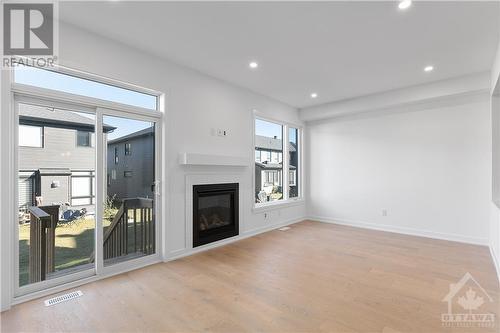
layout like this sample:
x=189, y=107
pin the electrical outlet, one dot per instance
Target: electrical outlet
x=265, y=216
x=384, y=212
x=220, y=132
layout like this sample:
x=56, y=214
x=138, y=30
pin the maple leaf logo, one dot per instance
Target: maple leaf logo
x=470, y=301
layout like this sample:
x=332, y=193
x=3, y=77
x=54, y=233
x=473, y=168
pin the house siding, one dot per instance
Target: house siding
x=140, y=162
x=59, y=151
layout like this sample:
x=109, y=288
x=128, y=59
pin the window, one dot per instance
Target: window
x=82, y=188
x=127, y=174
x=30, y=136
x=257, y=156
x=83, y=139
x=116, y=155
x=113, y=174
x=293, y=162
x=276, y=165
x=128, y=148
x=265, y=156
x=268, y=170
x=71, y=84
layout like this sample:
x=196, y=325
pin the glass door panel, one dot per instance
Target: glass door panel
x=56, y=192
x=128, y=212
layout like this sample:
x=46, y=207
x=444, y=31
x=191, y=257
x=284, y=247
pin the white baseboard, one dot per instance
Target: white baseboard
x=176, y=254
x=403, y=230
x=495, y=262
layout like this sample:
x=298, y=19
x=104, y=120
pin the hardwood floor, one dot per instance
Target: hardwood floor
x=314, y=277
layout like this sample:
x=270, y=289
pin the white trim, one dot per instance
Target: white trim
x=402, y=230
x=8, y=138
x=264, y=207
x=33, y=288
x=208, y=159
x=496, y=263
x=176, y=254
x=100, y=178
x=118, y=269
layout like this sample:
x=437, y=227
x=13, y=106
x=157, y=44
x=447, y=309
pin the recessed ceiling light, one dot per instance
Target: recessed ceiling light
x=429, y=68
x=404, y=4
x=253, y=65
x=314, y=95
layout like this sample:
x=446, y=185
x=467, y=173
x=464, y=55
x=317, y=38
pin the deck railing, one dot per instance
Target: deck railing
x=132, y=230
x=43, y=222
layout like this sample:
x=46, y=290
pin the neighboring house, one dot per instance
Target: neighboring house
x=269, y=163
x=56, y=157
x=130, y=171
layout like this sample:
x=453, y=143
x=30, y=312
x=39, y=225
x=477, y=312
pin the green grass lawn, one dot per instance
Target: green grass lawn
x=74, y=245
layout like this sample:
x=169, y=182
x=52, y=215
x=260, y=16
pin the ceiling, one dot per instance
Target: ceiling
x=338, y=49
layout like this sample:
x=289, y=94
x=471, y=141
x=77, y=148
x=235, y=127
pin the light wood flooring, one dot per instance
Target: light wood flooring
x=315, y=277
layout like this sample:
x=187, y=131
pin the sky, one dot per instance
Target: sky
x=70, y=84
x=269, y=129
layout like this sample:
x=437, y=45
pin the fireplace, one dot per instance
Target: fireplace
x=215, y=212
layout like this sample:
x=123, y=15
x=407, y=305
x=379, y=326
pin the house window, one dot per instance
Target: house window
x=116, y=155
x=277, y=165
x=82, y=188
x=113, y=174
x=265, y=156
x=30, y=136
x=268, y=170
x=128, y=150
x=127, y=174
x=257, y=156
x=83, y=139
x=276, y=157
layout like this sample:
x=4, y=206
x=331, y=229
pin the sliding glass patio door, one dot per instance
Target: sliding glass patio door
x=56, y=192
x=128, y=211
x=86, y=192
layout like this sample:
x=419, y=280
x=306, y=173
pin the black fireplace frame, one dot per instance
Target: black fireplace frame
x=202, y=237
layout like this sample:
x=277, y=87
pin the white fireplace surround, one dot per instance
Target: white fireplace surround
x=206, y=179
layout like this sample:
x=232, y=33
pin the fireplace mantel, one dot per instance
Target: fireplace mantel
x=208, y=159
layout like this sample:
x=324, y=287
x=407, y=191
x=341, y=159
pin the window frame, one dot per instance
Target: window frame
x=92, y=189
x=21, y=93
x=286, y=201
x=128, y=152
x=89, y=136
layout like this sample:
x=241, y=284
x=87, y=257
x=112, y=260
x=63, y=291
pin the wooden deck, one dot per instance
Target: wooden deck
x=314, y=277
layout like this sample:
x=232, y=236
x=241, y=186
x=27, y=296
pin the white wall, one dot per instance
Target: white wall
x=195, y=105
x=430, y=169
